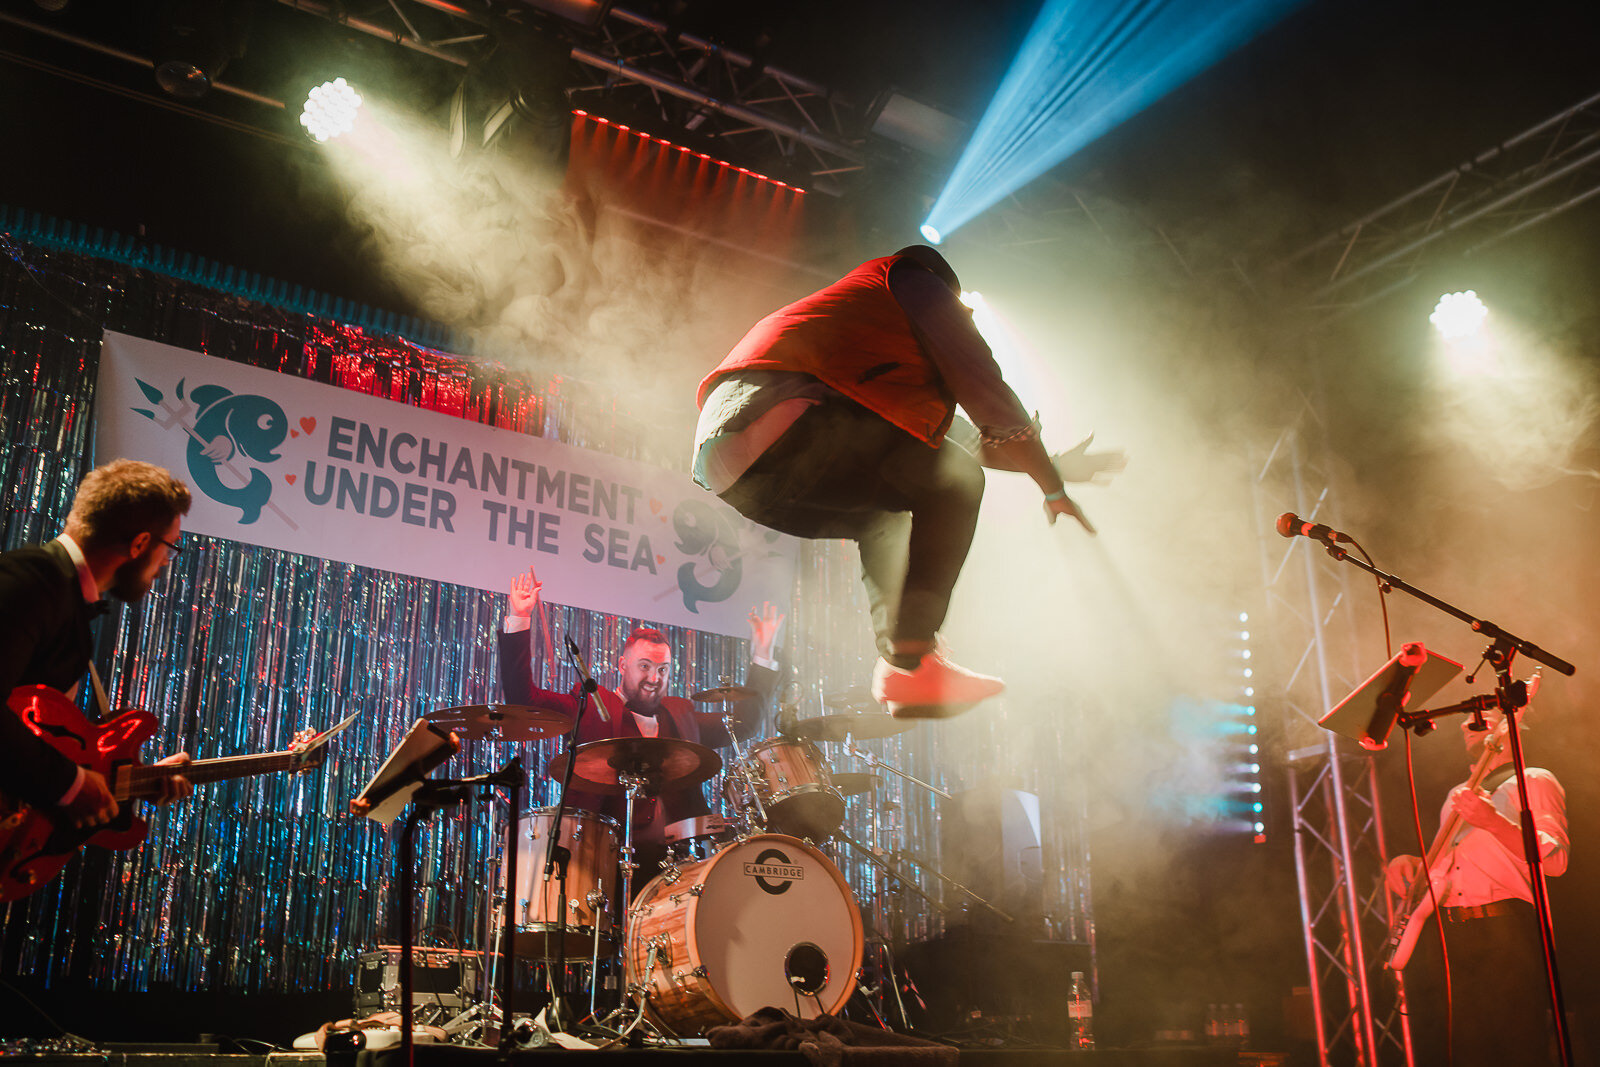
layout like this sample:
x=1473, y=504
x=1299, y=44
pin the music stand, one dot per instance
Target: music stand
x=1368, y=714
x=424, y=747
x=402, y=780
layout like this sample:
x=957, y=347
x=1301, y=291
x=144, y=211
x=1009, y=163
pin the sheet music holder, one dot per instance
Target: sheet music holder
x=1368, y=714
x=424, y=747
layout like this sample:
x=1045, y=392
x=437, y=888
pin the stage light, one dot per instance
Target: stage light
x=1085, y=67
x=931, y=235
x=330, y=110
x=1458, y=315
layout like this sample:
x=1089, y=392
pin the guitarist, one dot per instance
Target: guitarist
x=1501, y=1013
x=124, y=526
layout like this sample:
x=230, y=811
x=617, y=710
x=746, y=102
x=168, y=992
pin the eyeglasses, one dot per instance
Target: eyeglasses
x=172, y=549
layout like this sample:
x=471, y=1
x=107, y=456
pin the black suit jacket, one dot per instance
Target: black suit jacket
x=44, y=640
x=676, y=718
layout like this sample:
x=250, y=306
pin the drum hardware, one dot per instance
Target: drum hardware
x=788, y=780
x=557, y=856
x=874, y=762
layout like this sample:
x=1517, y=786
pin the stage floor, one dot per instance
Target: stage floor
x=679, y=1056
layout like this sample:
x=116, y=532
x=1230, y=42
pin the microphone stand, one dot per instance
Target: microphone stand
x=1502, y=651
x=558, y=855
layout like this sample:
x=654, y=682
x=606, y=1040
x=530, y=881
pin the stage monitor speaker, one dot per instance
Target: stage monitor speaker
x=989, y=842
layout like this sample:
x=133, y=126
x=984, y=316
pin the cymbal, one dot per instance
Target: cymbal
x=501, y=722
x=721, y=694
x=855, y=699
x=863, y=726
x=661, y=761
x=745, y=717
x=849, y=783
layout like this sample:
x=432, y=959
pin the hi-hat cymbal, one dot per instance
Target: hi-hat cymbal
x=663, y=762
x=863, y=726
x=721, y=694
x=501, y=722
x=850, y=783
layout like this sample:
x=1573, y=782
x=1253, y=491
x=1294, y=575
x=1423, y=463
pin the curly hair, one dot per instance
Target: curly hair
x=122, y=499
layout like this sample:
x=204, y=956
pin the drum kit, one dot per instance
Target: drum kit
x=747, y=910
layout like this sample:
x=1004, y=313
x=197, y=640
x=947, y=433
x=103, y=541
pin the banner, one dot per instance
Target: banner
x=291, y=464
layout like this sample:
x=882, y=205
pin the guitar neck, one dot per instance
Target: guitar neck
x=145, y=780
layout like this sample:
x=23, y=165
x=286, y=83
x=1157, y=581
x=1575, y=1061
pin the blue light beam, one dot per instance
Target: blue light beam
x=1085, y=67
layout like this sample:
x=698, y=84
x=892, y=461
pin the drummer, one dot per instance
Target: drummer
x=639, y=706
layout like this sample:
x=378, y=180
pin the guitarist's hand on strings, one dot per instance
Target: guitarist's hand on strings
x=177, y=787
x=92, y=805
x=1401, y=873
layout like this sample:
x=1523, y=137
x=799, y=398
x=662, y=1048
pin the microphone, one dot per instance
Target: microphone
x=1292, y=525
x=589, y=684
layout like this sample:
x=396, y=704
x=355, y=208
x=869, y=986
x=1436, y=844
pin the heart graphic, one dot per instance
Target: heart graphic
x=289, y=478
x=294, y=433
x=660, y=558
x=307, y=423
x=655, y=506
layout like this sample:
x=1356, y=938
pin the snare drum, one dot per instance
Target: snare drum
x=791, y=778
x=765, y=921
x=592, y=883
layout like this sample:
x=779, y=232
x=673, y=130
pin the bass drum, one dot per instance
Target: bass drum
x=768, y=920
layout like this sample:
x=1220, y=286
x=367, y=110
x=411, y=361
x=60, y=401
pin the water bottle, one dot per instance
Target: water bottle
x=1080, y=1013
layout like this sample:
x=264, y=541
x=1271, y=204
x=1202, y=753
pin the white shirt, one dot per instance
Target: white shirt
x=1481, y=870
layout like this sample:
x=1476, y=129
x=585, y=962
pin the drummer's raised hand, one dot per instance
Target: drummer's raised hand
x=524, y=595
x=765, y=625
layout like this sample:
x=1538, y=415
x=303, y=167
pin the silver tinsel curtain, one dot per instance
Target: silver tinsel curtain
x=266, y=884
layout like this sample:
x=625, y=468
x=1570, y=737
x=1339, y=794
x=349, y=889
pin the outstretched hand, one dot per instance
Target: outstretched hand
x=524, y=594
x=765, y=626
x=1078, y=464
x=1054, y=509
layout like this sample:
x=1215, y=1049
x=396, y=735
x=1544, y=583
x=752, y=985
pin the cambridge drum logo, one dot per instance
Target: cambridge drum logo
x=225, y=429
x=773, y=872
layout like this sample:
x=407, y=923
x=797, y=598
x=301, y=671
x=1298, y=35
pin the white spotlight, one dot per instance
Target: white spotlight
x=932, y=235
x=1458, y=315
x=330, y=110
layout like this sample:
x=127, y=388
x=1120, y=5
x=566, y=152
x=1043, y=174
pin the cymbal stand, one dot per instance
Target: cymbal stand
x=919, y=863
x=633, y=784
x=872, y=760
x=872, y=857
x=742, y=770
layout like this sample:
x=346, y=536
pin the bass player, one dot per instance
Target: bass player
x=1481, y=881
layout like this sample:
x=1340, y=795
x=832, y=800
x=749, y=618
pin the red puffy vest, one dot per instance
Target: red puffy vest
x=855, y=337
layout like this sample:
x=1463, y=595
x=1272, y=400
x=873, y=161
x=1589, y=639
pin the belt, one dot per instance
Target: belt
x=1480, y=911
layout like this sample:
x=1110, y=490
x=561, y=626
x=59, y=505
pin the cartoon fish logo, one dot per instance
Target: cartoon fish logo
x=225, y=426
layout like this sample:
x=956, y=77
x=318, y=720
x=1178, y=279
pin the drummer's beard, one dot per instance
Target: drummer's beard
x=643, y=701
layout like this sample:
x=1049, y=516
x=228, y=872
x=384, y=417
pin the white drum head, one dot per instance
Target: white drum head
x=773, y=908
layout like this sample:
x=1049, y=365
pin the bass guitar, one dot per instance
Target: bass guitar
x=34, y=846
x=1412, y=914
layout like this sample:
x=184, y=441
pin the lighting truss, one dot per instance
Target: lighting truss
x=766, y=117
x=1530, y=178
x=1358, y=1010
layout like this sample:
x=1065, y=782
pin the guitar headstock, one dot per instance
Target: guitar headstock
x=310, y=747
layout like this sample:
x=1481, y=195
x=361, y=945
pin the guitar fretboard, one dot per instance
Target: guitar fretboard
x=145, y=780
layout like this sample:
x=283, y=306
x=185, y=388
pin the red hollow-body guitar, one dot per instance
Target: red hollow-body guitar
x=34, y=846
